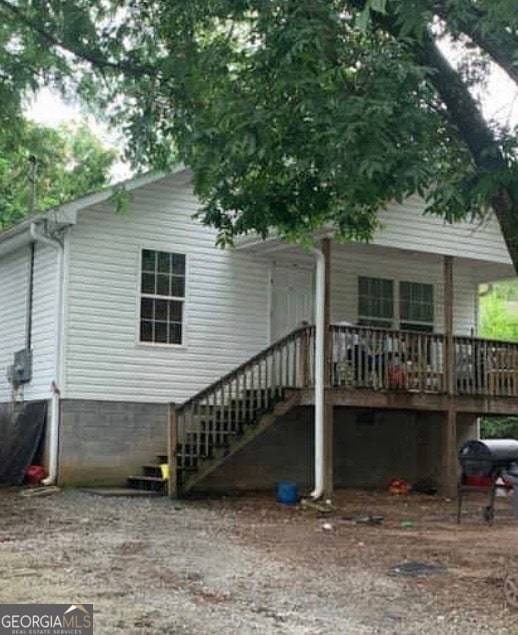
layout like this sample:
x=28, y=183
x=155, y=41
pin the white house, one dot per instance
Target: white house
x=125, y=313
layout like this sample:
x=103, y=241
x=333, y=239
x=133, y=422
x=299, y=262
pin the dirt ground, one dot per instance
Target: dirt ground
x=249, y=565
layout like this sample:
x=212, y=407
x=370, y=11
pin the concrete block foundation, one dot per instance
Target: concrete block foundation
x=102, y=443
x=370, y=448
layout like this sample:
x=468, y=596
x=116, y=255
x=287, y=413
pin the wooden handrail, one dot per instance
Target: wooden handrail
x=253, y=361
x=382, y=337
x=360, y=357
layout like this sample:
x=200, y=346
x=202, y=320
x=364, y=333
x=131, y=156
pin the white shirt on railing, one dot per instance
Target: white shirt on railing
x=343, y=341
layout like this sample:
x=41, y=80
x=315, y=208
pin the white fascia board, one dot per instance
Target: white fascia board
x=68, y=211
x=66, y=214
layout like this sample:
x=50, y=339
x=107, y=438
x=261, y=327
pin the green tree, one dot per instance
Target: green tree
x=291, y=114
x=67, y=163
x=499, y=320
x=499, y=311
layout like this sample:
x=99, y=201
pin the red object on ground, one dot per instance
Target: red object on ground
x=35, y=474
x=398, y=486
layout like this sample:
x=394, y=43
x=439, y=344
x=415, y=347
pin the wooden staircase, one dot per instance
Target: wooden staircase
x=151, y=479
x=219, y=421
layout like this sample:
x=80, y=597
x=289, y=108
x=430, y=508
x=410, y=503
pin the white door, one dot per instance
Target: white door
x=292, y=298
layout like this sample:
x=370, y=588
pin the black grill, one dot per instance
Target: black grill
x=483, y=458
x=482, y=464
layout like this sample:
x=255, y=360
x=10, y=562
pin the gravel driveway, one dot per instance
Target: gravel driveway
x=248, y=565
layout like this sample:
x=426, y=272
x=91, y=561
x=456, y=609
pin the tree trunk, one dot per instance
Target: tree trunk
x=477, y=135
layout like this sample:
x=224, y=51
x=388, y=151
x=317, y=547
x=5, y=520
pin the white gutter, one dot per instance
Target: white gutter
x=58, y=337
x=319, y=372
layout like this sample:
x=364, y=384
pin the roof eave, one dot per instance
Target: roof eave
x=66, y=214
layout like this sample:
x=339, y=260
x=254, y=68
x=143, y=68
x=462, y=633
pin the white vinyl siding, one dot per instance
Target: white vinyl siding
x=225, y=313
x=43, y=323
x=14, y=276
x=405, y=226
x=349, y=262
x=13, y=293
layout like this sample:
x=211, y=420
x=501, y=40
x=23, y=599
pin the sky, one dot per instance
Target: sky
x=49, y=109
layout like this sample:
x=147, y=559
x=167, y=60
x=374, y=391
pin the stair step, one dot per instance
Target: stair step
x=216, y=431
x=151, y=483
x=191, y=452
x=152, y=470
x=223, y=428
x=194, y=438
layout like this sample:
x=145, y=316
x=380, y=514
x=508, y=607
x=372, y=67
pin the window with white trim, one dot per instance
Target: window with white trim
x=162, y=297
x=416, y=310
x=408, y=306
x=375, y=302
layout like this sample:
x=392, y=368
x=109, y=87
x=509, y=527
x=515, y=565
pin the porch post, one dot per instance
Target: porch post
x=172, y=442
x=326, y=250
x=449, y=424
x=328, y=352
x=448, y=324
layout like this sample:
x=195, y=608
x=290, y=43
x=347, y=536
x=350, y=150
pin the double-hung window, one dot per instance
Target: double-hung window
x=416, y=306
x=375, y=302
x=162, y=297
x=408, y=306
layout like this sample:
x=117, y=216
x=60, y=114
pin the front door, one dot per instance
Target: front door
x=292, y=298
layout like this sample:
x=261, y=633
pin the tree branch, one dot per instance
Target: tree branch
x=461, y=105
x=501, y=49
x=88, y=56
x=477, y=135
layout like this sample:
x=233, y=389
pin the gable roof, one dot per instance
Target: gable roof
x=404, y=227
x=66, y=213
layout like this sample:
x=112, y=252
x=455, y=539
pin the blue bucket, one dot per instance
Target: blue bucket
x=287, y=493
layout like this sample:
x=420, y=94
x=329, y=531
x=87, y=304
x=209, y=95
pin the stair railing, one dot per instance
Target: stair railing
x=222, y=408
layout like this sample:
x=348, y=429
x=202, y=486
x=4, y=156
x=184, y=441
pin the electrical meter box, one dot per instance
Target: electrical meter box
x=21, y=371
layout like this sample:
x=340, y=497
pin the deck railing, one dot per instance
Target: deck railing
x=486, y=367
x=359, y=357
x=384, y=359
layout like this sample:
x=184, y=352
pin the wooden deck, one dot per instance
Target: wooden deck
x=367, y=368
x=368, y=398
x=402, y=370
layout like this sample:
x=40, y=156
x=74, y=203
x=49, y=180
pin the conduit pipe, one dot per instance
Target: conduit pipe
x=53, y=432
x=319, y=371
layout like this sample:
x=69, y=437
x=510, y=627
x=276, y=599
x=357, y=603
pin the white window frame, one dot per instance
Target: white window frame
x=140, y=294
x=374, y=320
x=418, y=323
x=396, y=321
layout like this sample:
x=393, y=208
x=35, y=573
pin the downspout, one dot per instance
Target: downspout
x=50, y=241
x=320, y=336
